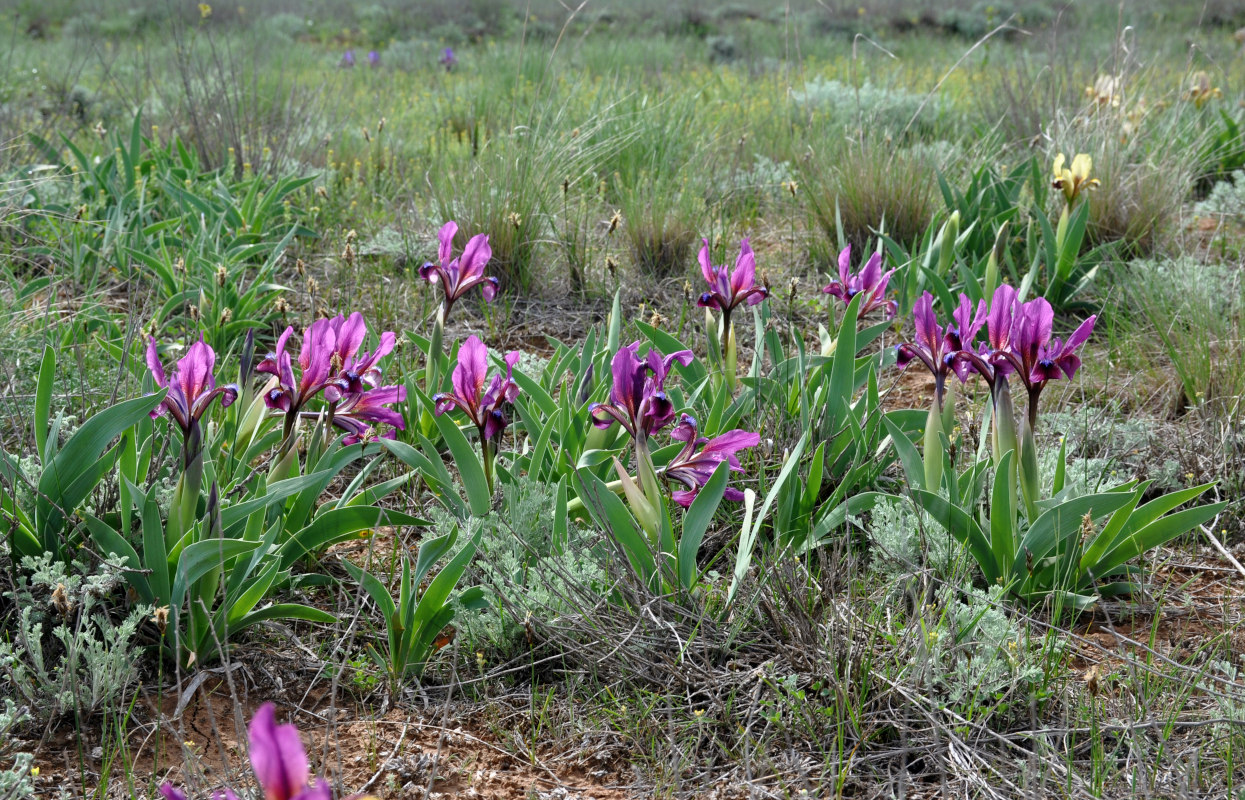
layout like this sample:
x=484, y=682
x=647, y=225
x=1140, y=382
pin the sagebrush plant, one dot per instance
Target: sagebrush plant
x=883, y=112
x=908, y=540
x=1226, y=198
x=68, y=656
x=16, y=778
x=528, y=568
x=979, y=657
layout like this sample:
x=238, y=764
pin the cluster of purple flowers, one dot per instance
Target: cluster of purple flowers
x=1018, y=341
x=639, y=404
x=373, y=59
x=330, y=363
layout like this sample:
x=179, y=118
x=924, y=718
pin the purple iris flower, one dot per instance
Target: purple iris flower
x=448, y=59
x=937, y=347
x=279, y=760
x=1033, y=355
x=192, y=387
x=694, y=468
x=638, y=399
x=1019, y=341
x=456, y=277
x=988, y=359
x=347, y=59
x=330, y=362
x=482, y=406
x=373, y=59
x=280, y=764
x=730, y=288
x=870, y=280
x=357, y=413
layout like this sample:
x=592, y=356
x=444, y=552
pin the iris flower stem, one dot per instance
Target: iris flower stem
x=287, y=430
x=1061, y=230
x=487, y=460
x=435, y=345
x=729, y=352
x=189, y=486
x=938, y=422
x=646, y=472
x=576, y=504
x=1029, y=479
x=933, y=448
x=1004, y=434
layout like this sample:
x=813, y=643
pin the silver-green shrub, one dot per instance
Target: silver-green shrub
x=1227, y=198
x=66, y=654
x=525, y=570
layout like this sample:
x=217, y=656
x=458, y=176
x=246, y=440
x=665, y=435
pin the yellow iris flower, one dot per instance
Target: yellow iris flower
x=1201, y=90
x=1075, y=180
x=1106, y=91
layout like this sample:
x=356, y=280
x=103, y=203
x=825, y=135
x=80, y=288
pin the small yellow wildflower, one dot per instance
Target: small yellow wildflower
x=1105, y=91
x=205, y=11
x=1075, y=180
x=1201, y=90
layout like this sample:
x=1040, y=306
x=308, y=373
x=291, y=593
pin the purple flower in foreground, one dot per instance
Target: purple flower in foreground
x=638, y=399
x=347, y=59
x=192, y=387
x=448, y=59
x=730, y=288
x=373, y=59
x=331, y=362
x=1029, y=351
x=279, y=761
x=989, y=359
x=1018, y=340
x=870, y=280
x=693, y=468
x=457, y=276
x=936, y=347
x=482, y=406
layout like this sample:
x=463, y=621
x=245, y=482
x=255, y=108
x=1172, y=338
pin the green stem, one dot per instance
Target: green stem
x=576, y=504
x=646, y=472
x=432, y=370
x=1029, y=482
x=189, y=486
x=488, y=462
x=1061, y=232
x=1004, y=433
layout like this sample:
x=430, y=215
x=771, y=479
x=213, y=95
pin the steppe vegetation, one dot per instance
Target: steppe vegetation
x=622, y=399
